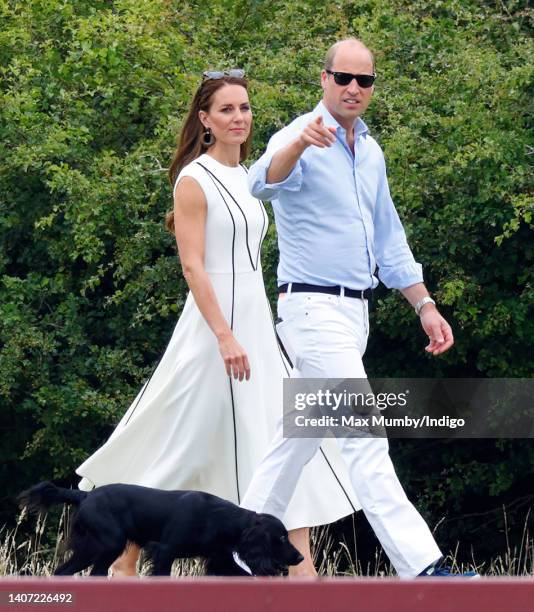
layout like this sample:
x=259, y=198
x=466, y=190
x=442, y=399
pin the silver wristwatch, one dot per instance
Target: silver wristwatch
x=426, y=300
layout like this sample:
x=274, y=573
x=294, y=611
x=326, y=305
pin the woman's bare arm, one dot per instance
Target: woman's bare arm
x=190, y=211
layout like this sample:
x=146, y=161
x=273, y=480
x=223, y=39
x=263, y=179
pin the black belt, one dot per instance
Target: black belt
x=364, y=294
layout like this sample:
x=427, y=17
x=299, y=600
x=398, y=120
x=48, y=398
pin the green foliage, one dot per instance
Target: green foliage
x=92, y=94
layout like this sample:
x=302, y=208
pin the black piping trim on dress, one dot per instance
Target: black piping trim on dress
x=283, y=353
x=145, y=387
x=141, y=395
x=338, y=481
x=264, y=217
x=281, y=348
x=212, y=176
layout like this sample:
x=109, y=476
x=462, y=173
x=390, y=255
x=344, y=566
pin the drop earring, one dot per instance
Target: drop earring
x=208, y=138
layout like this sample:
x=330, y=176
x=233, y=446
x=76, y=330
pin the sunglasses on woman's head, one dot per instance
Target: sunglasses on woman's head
x=237, y=73
x=344, y=78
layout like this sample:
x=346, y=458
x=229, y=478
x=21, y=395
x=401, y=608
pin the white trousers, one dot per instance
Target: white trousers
x=325, y=337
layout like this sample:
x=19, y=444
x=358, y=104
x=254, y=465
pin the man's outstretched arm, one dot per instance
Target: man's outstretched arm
x=279, y=168
x=283, y=162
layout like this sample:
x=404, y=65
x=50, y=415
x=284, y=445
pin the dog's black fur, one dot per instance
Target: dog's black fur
x=168, y=524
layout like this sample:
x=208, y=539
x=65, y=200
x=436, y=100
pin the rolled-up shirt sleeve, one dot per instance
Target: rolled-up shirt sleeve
x=257, y=176
x=397, y=267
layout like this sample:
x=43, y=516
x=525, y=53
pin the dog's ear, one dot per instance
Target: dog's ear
x=253, y=537
x=254, y=547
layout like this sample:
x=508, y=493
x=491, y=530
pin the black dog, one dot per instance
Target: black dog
x=169, y=524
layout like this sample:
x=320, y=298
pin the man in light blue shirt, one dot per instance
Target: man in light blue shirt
x=334, y=214
x=336, y=222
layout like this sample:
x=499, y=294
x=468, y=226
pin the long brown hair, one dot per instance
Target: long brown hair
x=191, y=142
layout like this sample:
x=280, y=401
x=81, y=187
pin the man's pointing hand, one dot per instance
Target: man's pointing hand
x=317, y=134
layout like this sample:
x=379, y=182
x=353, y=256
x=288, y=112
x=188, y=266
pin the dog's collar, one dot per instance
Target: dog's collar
x=241, y=563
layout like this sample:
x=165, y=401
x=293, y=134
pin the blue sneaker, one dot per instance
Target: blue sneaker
x=444, y=571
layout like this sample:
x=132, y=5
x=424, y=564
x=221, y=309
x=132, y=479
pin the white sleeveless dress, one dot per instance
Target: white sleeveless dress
x=193, y=427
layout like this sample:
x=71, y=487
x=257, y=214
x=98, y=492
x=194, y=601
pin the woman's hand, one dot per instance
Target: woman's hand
x=234, y=357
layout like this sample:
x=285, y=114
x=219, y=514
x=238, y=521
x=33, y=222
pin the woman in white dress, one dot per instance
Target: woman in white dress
x=206, y=415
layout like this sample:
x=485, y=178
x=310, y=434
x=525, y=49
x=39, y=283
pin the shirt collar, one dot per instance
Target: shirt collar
x=360, y=127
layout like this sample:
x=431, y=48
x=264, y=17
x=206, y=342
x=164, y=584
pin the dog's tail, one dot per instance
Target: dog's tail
x=45, y=494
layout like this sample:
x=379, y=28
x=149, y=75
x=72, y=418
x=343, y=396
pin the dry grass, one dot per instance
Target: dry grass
x=27, y=555
x=330, y=555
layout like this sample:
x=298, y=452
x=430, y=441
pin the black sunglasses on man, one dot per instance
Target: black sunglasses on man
x=344, y=78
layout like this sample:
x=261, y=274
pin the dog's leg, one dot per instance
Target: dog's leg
x=162, y=558
x=103, y=563
x=76, y=563
x=163, y=566
x=102, y=549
